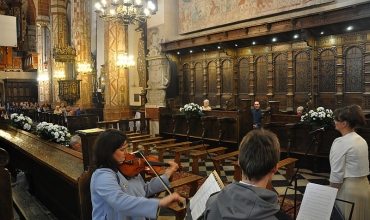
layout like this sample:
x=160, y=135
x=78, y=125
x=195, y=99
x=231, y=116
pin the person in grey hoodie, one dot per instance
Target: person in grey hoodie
x=259, y=154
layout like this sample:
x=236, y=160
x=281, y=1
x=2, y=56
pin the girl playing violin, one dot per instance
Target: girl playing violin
x=114, y=196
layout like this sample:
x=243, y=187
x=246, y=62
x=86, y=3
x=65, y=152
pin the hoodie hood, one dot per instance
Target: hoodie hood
x=242, y=201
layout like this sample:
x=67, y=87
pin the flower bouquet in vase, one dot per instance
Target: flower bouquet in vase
x=192, y=109
x=53, y=132
x=20, y=121
x=318, y=117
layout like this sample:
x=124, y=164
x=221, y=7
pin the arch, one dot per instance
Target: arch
x=281, y=73
x=261, y=75
x=353, y=71
x=302, y=72
x=327, y=70
x=243, y=75
x=227, y=76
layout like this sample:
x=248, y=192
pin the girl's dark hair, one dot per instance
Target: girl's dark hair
x=352, y=114
x=105, y=145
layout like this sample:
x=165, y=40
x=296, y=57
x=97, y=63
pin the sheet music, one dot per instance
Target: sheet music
x=317, y=203
x=198, y=202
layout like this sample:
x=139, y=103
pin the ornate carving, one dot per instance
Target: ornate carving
x=280, y=69
x=156, y=96
x=261, y=74
x=352, y=37
x=302, y=71
x=329, y=40
x=354, y=66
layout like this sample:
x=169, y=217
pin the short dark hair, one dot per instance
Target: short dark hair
x=352, y=114
x=105, y=145
x=259, y=152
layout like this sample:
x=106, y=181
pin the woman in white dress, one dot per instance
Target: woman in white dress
x=349, y=161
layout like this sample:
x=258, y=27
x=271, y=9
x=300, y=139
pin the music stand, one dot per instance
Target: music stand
x=337, y=215
x=294, y=178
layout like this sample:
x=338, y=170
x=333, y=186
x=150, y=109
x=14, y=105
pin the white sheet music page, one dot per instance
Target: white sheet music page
x=317, y=203
x=198, y=202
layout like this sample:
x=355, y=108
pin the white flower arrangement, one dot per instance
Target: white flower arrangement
x=319, y=117
x=191, y=109
x=20, y=121
x=53, y=132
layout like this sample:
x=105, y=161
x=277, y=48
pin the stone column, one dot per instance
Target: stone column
x=158, y=74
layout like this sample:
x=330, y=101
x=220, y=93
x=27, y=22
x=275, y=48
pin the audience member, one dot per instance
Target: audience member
x=76, y=143
x=349, y=162
x=81, y=110
x=300, y=110
x=57, y=110
x=257, y=115
x=116, y=197
x=259, y=154
x=205, y=106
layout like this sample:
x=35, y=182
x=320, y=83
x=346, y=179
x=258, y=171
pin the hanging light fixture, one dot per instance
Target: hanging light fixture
x=126, y=11
x=84, y=67
x=125, y=61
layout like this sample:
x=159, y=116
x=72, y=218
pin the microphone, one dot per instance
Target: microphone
x=325, y=128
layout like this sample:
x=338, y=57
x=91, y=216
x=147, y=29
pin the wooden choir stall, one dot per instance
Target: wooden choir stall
x=215, y=127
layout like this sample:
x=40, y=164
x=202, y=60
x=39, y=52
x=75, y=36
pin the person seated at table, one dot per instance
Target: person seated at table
x=76, y=143
x=57, y=110
x=300, y=110
x=205, y=106
x=259, y=154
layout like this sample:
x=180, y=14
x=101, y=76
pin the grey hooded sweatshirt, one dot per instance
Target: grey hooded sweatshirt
x=242, y=201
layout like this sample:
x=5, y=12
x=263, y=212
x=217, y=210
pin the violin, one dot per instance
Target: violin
x=133, y=165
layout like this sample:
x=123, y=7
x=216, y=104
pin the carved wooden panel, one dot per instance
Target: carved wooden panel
x=185, y=83
x=302, y=73
x=212, y=78
x=327, y=71
x=243, y=76
x=261, y=75
x=227, y=77
x=354, y=70
x=20, y=90
x=281, y=72
x=198, y=78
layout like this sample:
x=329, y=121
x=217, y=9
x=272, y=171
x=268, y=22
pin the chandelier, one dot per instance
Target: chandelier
x=125, y=61
x=84, y=67
x=126, y=11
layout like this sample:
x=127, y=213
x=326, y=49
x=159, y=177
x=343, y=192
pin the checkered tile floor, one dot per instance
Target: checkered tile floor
x=279, y=182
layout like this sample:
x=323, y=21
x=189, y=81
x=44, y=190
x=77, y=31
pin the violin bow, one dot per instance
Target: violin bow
x=160, y=178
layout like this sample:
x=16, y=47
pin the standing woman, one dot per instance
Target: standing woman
x=116, y=197
x=349, y=163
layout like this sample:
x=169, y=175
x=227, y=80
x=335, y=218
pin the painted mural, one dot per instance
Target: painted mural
x=196, y=15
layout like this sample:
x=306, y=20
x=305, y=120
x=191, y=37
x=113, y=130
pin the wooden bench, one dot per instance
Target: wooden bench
x=26, y=205
x=289, y=163
x=203, y=155
x=192, y=182
x=162, y=148
x=135, y=143
x=137, y=137
x=146, y=145
x=186, y=151
x=221, y=159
